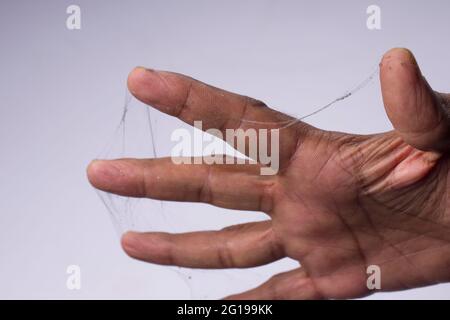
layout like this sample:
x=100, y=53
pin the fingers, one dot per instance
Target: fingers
x=291, y=285
x=240, y=246
x=191, y=100
x=228, y=186
x=419, y=115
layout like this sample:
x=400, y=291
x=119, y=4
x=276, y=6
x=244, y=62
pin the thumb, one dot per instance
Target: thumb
x=420, y=115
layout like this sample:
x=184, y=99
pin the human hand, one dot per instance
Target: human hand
x=339, y=203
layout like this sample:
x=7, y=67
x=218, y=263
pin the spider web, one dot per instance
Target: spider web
x=142, y=133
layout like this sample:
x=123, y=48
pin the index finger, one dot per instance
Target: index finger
x=191, y=100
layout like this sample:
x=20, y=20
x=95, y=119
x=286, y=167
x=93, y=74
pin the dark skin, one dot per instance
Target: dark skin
x=339, y=203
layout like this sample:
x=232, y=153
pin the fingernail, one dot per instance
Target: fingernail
x=141, y=68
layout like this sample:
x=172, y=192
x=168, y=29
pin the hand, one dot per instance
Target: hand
x=339, y=203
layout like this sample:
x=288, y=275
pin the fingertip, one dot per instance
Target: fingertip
x=92, y=170
x=101, y=173
x=398, y=54
x=400, y=65
x=141, y=82
x=129, y=242
x=134, y=77
x=148, y=246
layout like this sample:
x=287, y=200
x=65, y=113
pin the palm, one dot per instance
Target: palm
x=348, y=214
x=338, y=204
